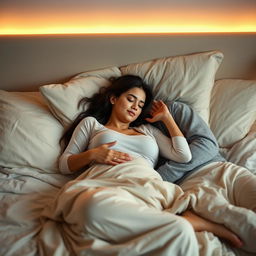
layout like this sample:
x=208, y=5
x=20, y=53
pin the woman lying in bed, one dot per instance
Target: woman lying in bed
x=120, y=203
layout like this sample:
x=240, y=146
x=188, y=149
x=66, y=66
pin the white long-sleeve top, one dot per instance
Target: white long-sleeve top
x=149, y=144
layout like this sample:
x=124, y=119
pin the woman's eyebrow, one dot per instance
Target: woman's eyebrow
x=135, y=97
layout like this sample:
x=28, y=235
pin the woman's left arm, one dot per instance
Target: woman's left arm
x=177, y=149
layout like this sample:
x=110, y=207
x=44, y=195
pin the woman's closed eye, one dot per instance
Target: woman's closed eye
x=131, y=99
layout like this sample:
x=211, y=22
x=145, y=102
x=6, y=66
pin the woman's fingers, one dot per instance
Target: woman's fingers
x=106, y=155
x=120, y=157
x=157, y=106
x=156, y=112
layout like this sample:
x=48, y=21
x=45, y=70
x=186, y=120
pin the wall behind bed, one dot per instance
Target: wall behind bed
x=26, y=62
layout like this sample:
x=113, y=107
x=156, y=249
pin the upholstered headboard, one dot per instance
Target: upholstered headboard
x=28, y=62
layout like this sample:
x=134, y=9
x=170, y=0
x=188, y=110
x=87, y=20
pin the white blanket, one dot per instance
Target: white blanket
x=40, y=213
x=132, y=185
x=224, y=193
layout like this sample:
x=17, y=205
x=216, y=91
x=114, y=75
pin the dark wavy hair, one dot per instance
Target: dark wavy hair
x=99, y=105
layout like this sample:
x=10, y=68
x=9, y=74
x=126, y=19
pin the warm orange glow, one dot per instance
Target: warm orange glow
x=102, y=22
x=126, y=30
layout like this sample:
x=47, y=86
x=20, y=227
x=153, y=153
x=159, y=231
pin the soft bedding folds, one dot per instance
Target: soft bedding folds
x=50, y=217
x=106, y=200
x=24, y=192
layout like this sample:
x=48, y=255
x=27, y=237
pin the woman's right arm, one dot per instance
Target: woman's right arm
x=102, y=154
x=77, y=155
x=76, y=162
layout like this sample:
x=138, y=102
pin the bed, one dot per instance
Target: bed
x=32, y=122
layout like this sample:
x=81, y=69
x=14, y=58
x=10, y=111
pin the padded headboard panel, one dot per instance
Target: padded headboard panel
x=27, y=62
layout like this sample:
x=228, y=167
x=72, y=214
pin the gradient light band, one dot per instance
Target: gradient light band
x=109, y=22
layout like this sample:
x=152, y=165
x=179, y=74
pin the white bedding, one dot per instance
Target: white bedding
x=23, y=195
x=32, y=123
x=28, y=197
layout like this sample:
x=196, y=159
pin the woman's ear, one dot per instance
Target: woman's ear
x=112, y=99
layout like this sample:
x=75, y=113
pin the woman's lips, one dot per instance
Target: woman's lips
x=131, y=113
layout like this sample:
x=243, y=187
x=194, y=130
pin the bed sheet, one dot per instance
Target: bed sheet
x=24, y=192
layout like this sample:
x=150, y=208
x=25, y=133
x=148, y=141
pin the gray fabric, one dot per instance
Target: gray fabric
x=202, y=143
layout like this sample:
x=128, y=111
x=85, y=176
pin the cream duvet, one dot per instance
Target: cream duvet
x=50, y=214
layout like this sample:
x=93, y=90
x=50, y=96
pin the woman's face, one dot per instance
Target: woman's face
x=128, y=106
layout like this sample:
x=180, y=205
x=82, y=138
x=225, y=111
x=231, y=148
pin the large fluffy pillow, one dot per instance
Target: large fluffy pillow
x=63, y=99
x=29, y=132
x=233, y=110
x=188, y=78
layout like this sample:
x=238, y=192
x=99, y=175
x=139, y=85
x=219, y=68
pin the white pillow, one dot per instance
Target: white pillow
x=188, y=78
x=243, y=152
x=29, y=132
x=63, y=99
x=233, y=110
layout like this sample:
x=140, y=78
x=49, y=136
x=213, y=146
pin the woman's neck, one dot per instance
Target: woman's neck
x=122, y=127
x=116, y=125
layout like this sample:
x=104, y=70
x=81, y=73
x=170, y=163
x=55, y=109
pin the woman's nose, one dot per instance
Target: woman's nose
x=134, y=106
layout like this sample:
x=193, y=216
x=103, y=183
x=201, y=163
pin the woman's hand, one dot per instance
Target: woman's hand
x=159, y=112
x=102, y=155
x=105, y=155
